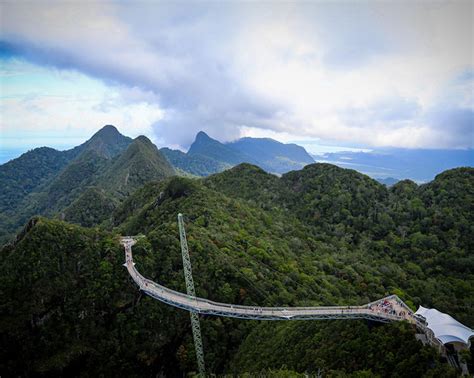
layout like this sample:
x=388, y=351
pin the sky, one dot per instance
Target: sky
x=337, y=75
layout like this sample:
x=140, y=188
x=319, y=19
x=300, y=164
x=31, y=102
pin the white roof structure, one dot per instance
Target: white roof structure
x=445, y=328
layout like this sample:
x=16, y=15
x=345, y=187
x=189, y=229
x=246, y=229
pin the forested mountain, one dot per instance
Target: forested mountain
x=197, y=165
x=106, y=168
x=21, y=176
x=207, y=156
x=107, y=142
x=140, y=163
x=38, y=167
x=110, y=166
x=272, y=155
x=319, y=236
x=204, y=145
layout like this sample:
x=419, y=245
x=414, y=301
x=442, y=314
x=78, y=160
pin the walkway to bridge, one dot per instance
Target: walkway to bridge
x=386, y=309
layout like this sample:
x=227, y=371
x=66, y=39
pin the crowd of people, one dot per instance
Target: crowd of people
x=387, y=307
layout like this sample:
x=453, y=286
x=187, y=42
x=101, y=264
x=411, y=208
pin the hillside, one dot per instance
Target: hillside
x=198, y=165
x=204, y=145
x=272, y=155
x=23, y=175
x=207, y=156
x=68, y=308
x=90, y=208
x=428, y=225
x=107, y=142
x=38, y=167
x=140, y=163
x=106, y=168
x=95, y=155
x=255, y=239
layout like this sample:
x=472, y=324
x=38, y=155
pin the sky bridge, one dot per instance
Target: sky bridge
x=438, y=329
x=386, y=309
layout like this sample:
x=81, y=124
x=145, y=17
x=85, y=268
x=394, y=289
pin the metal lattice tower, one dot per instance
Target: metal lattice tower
x=188, y=276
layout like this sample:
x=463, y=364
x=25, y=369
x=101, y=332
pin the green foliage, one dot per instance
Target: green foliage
x=110, y=162
x=207, y=156
x=248, y=182
x=272, y=155
x=70, y=183
x=198, y=165
x=179, y=187
x=140, y=163
x=320, y=236
x=339, y=348
x=68, y=308
x=106, y=142
x=92, y=207
x=24, y=175
x=211, y=148
x=337, y=201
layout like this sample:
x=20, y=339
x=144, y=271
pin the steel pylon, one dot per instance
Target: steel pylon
x=188, y=277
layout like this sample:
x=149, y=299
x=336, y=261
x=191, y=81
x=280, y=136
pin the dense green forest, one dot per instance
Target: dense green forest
x=207, y=155
x=319, y=236
x=35, y=169
x=197, y=165
x=81, y=185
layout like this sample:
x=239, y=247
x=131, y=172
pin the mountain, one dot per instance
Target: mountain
x=197, y=165
x=94, y=199
x=23, y=175
x=36, y=168
x=140, y=163
x=107, y=142
x=420, y=165
x=319, y=236
x=271, y=155
x=208, y=156
x=91, y=178
x=71, y=181
x=211, y=148
x=91, y=207
x=250, y=183
x=388, y=181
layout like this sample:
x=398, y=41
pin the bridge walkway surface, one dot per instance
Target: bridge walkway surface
x=386, y=309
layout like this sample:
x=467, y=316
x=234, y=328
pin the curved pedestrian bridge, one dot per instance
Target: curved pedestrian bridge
x=386, y=309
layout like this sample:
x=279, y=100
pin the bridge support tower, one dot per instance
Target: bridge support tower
x=188, y=276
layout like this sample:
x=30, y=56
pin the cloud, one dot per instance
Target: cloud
x=38, y=103
x=369, y=73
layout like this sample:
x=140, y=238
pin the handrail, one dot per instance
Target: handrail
x=206, y=306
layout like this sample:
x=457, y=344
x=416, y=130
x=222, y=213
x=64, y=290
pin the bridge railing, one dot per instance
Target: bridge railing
x=206, y=304
x=200, y=303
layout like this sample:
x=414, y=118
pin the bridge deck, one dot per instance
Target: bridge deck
x=384, y=310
